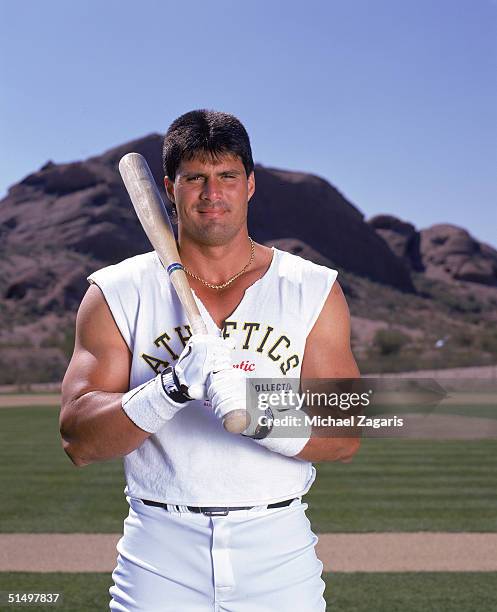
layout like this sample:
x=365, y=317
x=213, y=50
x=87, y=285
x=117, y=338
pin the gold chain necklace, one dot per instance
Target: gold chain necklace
x=230, y=280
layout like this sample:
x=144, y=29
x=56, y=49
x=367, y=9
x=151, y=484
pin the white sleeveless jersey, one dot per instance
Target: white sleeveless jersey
x=192, y=460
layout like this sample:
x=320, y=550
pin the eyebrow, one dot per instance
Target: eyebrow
x=200, y=173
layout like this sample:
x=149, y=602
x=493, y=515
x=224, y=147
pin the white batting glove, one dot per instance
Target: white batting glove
x=286, y=440
x=156, y=401
x=226, y=390
x=201, y=356
x=284, y=431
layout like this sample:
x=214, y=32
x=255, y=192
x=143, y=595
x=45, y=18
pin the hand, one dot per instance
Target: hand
x=156, y=401
x=202, y=356
x=226, y=390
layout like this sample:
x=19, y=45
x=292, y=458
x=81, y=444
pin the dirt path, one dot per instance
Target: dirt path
x=367, y=552
x=15, y=400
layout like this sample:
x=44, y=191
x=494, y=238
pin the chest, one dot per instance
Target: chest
x=265, y=322
x=220, y=304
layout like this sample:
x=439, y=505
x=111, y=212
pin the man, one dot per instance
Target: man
x=216, y=521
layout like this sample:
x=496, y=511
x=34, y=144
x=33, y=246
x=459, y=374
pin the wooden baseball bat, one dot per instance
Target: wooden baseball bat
x=154, y=219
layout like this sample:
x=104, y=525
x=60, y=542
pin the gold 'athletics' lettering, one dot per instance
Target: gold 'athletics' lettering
x=155, y=363
x=226, y=326
x=261, y=345
x=291, y=362
x=281, y=339
x=184, y=333
x=161, y=341
x=184, y=339
x=250, y=327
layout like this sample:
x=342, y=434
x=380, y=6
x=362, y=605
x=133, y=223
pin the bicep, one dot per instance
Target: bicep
x=328, y=353
x=101, y=359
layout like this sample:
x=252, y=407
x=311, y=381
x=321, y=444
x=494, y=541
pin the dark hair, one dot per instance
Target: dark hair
x=205, y=132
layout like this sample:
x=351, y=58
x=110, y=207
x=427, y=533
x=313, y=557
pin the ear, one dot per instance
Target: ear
x=251, y=185
x=169, y=186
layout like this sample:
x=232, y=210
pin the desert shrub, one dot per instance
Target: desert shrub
x=409, y=361
x=463, y=338
x=389, y=341
x=35, y=366
x=63, y=340
x=67, y=344
x=488, y=342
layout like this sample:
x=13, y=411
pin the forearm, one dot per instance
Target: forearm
x=99, y=425
x=333, y=440
x=330, y=449
x=94, y=427
x=291, y=433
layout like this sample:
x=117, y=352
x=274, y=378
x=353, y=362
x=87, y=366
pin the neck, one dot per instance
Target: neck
x=215, y=263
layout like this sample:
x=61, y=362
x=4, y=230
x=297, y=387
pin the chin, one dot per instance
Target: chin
x=216, y=234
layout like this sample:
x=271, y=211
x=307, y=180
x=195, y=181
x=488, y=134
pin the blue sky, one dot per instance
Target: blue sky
x=394, y=102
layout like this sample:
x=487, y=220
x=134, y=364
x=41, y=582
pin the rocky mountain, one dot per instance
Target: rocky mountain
x=65, y=220
x=443, y=251
x=61, y=222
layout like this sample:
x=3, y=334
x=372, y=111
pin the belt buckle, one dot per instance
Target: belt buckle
x=215, y=511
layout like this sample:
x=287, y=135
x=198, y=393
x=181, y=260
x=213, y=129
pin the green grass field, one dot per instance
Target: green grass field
x=392, y=485
x=381, y=592
x=478, y=410
x=408, y=485
x=44, y=491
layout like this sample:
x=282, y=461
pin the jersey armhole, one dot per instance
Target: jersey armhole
x=92, y=281
x=330, y=281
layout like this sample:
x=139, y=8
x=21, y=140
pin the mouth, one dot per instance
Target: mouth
x=211, y=213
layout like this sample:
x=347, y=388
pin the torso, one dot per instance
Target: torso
x=221, y=303
x=185, y=461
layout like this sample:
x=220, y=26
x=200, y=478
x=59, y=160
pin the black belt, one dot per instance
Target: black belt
x=215, y=510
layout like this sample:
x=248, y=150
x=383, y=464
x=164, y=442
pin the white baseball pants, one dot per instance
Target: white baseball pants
x=256, y=560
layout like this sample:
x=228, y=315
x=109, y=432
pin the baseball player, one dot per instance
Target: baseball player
x=216, y=521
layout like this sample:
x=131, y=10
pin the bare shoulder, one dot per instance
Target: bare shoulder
x=95, y=325
x=334, y=318
x=263, y=256
x=328, y=353
x=101, y=358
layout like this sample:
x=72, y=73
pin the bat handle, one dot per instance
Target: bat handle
x=236, y=421
x=197, y=325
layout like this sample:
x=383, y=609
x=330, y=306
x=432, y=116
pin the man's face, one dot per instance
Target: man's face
x=211, y=197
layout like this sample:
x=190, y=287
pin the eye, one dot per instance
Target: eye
x=194, y=178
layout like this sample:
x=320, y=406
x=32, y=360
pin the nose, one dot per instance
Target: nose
x=212, y=190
